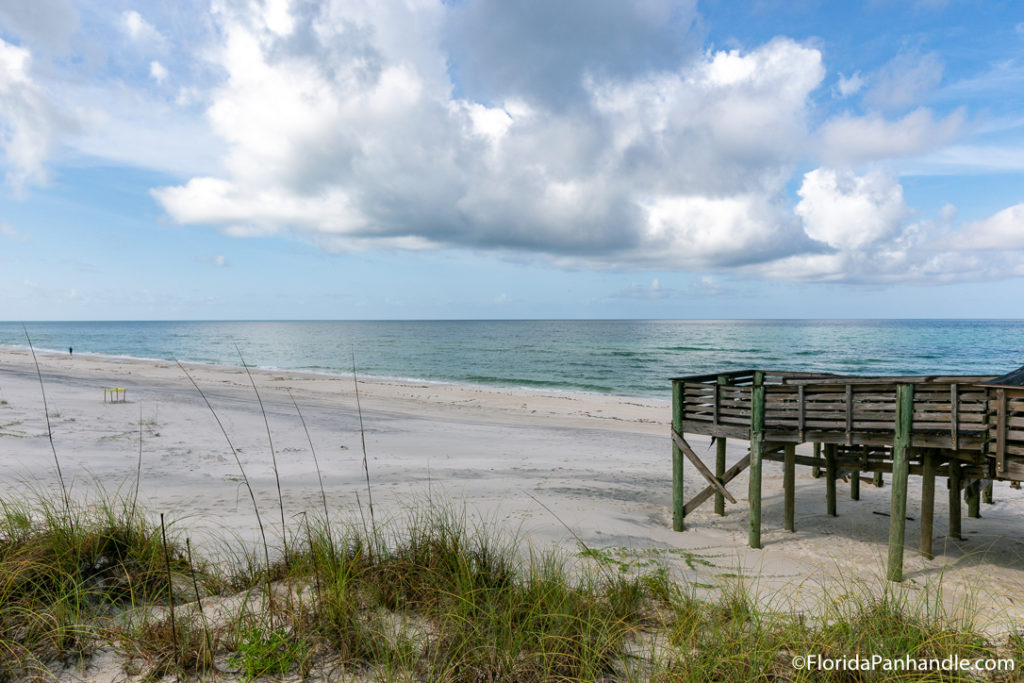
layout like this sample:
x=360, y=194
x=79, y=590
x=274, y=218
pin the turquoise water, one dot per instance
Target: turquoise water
x=626, y=357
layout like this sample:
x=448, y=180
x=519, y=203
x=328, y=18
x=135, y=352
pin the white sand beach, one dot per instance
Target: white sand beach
x=600, y=464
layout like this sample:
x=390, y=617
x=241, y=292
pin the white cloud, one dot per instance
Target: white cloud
x=27, y=120
x=695, y=230
x=1004, y=230
x=278, y=17
x=850, y=212
x=863, y=220
x=905, y=81
x=348, y=141
x=849, y=86
x=158, y=72
x=210, y=200
x=138, y=29
x=850, y=139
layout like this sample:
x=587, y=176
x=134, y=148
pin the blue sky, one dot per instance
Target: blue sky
x=273, y=159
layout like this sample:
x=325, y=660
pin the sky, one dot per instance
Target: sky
x=419, y=159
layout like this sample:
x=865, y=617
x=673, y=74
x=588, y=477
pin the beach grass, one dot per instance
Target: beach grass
x=431, y=596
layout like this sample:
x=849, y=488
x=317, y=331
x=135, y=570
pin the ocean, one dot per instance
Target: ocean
x=623, y=357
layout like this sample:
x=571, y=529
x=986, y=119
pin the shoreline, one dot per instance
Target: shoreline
x=601, y=465
x=554, y=389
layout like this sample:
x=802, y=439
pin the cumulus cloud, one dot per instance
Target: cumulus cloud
x=1004, y=230
x=355, y=134
x=568, y=40
x=357, y=125
x=847, y=211
x=870, y=239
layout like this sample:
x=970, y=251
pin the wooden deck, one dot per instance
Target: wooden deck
x=965, y=428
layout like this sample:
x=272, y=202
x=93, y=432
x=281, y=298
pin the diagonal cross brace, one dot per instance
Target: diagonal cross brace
x=701, y=467
x=729, y=475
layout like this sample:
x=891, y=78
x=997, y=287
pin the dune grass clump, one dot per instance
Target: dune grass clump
x=734, y=638
x=67, y=574
x=439, y=601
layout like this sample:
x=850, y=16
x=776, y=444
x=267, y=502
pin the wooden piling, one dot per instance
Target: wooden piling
x=986, y=494
x=954, y=499
x=927, y=503
x=830, y=479
x=816, y=470
x=974, y=500
x=720, y=445
x=900, y=476
x=677, y=458
x=1014, y=484
x=855, y=485
x=789, y=485
x=756, y=454
x=879, y=481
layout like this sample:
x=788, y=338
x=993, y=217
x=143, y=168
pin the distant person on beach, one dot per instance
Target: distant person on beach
x=71, y=351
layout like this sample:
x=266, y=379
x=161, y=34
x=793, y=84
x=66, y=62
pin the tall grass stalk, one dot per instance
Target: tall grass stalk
x=170, y=588
x=273, y=454
x=138, y=471
x=238, y=461
x=49, y=428
x=208, y=656
x=362, y=440
x=316, y=463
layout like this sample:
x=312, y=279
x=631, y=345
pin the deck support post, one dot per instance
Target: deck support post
x=986, y=494
x=855, y=485
x=677, y=459
x=756, y=455
x=1014, y=484
x=927, y=503
x=816, y=470
x=879, y=481
x=830, y=479
x=900, y=477
x=954, y=499
x=720, y=444
x=974, y=500
x=789, y=484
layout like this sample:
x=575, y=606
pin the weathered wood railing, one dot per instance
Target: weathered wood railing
x=1005, y=417
x=956, y=426
x=948, y=412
